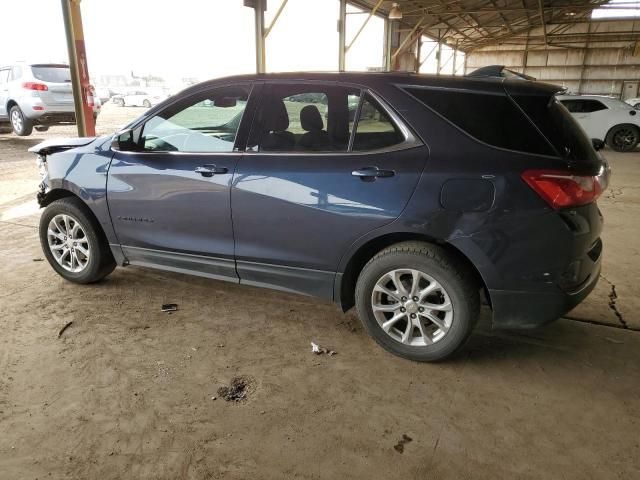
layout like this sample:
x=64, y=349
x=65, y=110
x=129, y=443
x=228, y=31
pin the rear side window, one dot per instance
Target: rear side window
x=491, y=118
x=305, y=118
x=375, y=128
x=51, y=73
x=557, y=124
x=4, y=75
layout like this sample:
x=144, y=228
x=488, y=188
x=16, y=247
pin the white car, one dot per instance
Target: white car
x=139, y=99
x=605, y=118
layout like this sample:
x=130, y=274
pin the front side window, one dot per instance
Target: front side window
x=205, y=123
x=305, y=118
x=375, y=129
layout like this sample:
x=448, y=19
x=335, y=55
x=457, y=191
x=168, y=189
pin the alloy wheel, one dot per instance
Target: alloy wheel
x=68, y=243
x=16, y=120
x=625, y=138
x=412, y=307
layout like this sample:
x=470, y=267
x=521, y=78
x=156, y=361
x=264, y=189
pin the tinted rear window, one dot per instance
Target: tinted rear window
x=560, y=128
x=491, y=118
x=53, y=74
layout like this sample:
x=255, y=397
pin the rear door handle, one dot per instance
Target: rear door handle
x=210, y=170
x=371, y=173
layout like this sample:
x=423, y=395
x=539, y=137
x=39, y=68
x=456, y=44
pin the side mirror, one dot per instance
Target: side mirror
x=123, y=141
x=597, y=144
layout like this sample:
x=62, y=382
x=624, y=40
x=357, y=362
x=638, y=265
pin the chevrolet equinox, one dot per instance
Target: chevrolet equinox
x=409, y=197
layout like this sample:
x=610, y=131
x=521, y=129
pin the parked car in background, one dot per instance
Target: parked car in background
x=37, y=95
x=139, y=98
x=104, y=94
x=441, y=190
x=605, y=118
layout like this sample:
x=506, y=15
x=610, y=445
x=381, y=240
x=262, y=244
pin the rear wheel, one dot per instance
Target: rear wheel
x=146, y=104
x=623, y=138
x=73, y=243
x=417, y=301
x=119, y=101
x=21, y=125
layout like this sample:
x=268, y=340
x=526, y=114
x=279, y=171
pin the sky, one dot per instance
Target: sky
x=632, y=11
x=188, y=38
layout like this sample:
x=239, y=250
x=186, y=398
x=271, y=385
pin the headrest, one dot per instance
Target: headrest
x=310, y=118
x=277, y=118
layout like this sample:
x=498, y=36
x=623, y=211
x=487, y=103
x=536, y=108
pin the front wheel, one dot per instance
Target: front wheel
x=146, y=104
x=73, y=243
x=417, y=301
x=22, y=126
x=623, y=138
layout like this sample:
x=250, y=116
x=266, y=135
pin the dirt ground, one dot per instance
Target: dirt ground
x=129, y=392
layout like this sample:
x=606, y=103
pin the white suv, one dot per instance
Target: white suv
x=37, y=95
x=605, y=118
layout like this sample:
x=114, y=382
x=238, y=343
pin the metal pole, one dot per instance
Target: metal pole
x=342, y=35
x=439, y=56
x=388, y=37
x=416, y=64
x=455, y=58
x=82, y=95
x=407, y=39
x=259, y=8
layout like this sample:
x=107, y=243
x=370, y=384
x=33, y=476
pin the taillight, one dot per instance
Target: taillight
x=35, y=86
x=562, y=189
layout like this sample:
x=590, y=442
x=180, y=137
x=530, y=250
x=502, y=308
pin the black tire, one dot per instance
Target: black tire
x=623, y=138
x=146, y=104
x=22, y=126
x=435, y=262
x=42, y=128
x=119, y=102
x=100, y=263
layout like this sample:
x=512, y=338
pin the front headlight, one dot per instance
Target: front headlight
x=41, y=163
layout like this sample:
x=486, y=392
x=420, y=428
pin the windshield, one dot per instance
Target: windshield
x=51, y=73
x=561, y=129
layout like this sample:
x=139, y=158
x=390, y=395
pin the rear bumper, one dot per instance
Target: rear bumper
x=530, y=309
x=57, y=118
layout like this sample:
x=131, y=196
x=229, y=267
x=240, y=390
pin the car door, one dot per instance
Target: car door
x=168, y=184
x=314, y=179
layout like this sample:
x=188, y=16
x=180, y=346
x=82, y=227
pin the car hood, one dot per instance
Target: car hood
x=58, y=145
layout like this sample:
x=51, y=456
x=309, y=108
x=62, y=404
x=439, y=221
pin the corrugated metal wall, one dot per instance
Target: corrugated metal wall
x=585, y=67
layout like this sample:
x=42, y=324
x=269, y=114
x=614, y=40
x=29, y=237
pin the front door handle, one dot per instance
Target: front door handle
x=210, y=170
x=368, y=174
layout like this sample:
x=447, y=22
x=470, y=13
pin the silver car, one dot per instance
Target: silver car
x=37, y=95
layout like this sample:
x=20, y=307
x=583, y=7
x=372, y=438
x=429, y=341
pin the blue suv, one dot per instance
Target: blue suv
x=409, y=197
